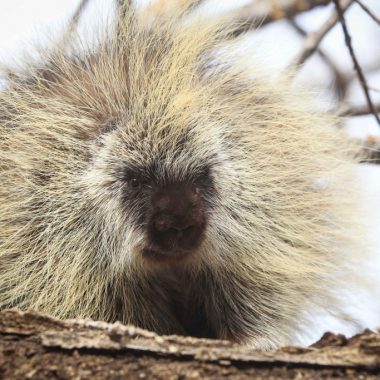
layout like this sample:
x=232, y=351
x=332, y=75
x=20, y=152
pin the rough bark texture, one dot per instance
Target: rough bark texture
x=33, y=346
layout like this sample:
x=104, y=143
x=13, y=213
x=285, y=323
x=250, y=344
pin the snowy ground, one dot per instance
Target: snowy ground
x=25, y=22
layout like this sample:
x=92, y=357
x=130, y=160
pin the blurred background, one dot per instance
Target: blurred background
x=273, y=31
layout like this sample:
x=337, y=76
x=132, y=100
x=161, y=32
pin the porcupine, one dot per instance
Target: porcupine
x=153, y=180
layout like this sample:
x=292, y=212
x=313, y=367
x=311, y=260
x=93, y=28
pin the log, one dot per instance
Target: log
x=35, y=346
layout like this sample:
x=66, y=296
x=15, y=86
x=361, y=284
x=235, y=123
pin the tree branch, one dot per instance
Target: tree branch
x=73, y=23
x=341, y=82
x=368, y=11
x=262, y=12
x=34, y=346
x=360, y=110
x=313, y=39
x=358, y=69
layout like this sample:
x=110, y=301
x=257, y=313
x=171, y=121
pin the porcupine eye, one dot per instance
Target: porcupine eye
x=134, y=183
x=134, y=180
x=204, y=183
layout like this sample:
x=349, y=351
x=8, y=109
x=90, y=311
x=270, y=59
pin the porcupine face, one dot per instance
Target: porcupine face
x=152, y=172
x=161, y=175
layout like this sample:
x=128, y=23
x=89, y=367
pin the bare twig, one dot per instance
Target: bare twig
x=360, y=110
x=370, y=13
x=73, y=23
x=341, y=81
x=355, y=61
x=76, y=16
x=313, y=39
x=374, y=89
x=261, y=12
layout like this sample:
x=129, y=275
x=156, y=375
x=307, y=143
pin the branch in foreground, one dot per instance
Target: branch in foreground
x=39, y=347
x=313, y=39
x=262, y=12
x=358, y=69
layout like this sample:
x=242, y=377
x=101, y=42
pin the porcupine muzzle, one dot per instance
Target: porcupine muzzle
x=178, y=222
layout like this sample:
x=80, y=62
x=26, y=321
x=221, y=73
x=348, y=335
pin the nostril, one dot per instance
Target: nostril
x=162, y=224
x=179, y=233
x=172, y=234
x=183, y=227
x=169, y=224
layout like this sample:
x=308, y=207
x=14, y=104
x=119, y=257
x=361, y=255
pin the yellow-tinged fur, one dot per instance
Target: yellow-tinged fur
x=280, y=233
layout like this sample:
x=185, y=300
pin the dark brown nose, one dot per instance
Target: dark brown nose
x=178, y=219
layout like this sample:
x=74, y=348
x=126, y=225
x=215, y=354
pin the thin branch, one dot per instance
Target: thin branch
x=262, y=12
x=355, y=61
x=313, y=39
x=73, y=23
x=341, y=81
x=360, y=110
x=370, y=13
x=374, y=89
x=76, y=16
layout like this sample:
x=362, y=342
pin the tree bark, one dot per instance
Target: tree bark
x=34, y=346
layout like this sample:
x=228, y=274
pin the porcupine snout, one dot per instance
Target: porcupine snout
x=178, y=220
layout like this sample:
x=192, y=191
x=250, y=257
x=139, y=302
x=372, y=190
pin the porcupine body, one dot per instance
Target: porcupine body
x=152, y=181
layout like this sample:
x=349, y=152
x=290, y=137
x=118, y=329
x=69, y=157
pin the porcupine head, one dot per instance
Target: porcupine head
x=151, y=178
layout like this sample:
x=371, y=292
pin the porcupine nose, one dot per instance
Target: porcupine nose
x=178, y=220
